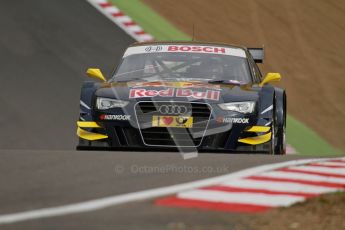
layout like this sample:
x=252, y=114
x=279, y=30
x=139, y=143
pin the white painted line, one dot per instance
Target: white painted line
x=302, y=176
x=105, y=202
x=241, y=198
x=320, y=169
x=278, y=186
x=330, y=163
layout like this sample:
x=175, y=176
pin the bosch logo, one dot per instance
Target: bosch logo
x=153, y=48
x=173, y=109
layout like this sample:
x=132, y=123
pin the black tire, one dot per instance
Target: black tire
x=278, y=127
x=279, y=138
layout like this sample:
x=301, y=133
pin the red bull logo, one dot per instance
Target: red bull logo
x=171, y=92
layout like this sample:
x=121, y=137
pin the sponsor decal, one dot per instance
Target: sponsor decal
x=233, y=120
x=153, y=48
x=115, y=117
x=181, y=120
x=203, y=49
x=171, y=92
x=174, y=84
x=172, y=121
x=208, y=94
x=138, y=93
x=167, y=120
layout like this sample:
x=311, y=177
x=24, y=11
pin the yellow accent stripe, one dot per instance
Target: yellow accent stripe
x=90, y=136
x=88, y=124
x=256, y=140
x=259, y=129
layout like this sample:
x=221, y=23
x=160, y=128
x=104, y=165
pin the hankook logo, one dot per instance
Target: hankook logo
x=232, y=120
x=173, y=109
x=115, y=117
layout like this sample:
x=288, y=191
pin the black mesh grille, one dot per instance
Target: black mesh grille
x=164, y=136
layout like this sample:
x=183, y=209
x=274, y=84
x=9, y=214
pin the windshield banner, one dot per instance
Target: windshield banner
x=238, y=52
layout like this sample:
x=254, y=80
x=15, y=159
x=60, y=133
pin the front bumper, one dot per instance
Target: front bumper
x=124, y=137
x=111, y=136
x=210, y=131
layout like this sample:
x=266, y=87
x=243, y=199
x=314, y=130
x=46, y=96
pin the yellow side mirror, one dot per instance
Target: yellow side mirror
x=270, y=77
x=95, y=73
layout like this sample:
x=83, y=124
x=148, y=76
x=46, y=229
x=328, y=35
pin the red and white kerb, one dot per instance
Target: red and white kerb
x=122, y=20
x=265, y=190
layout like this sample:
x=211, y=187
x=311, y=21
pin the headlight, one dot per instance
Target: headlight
x=241, y=107
x=107, y=103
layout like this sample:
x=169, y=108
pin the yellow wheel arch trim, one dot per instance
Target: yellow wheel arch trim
x=256, y=140
x=259, y=129
x=87, y=124
x=90, y=136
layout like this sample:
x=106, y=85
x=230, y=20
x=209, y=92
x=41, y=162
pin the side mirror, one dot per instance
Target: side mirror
x=95, y=73
x=270, y=77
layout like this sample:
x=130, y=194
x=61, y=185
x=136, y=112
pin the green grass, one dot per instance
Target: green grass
x=149, y=20
x=302, y=138
x=306, y=141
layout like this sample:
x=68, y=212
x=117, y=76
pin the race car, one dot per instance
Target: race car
x=184, y=95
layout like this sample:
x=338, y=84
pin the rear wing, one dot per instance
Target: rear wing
x=258, y=54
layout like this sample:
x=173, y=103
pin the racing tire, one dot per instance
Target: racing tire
x=278, y=128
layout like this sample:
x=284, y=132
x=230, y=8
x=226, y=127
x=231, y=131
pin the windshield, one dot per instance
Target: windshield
x=182, y=66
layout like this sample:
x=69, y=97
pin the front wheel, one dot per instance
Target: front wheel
x=278, y=140
x=278, y=129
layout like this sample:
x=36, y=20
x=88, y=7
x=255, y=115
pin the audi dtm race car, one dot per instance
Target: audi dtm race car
x=180, y=95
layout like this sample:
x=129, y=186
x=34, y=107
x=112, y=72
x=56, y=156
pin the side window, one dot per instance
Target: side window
x=254, y=68
x=258, y=72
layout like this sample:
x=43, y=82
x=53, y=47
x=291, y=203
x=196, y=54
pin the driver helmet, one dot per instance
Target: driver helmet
x=215, y=68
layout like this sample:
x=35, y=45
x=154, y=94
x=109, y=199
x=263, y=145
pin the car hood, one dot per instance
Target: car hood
x=178, y=91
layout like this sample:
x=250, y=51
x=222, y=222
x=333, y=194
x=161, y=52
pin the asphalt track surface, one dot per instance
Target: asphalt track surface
x=45, y=48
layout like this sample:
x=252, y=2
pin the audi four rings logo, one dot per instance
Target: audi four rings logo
x=173, y=109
